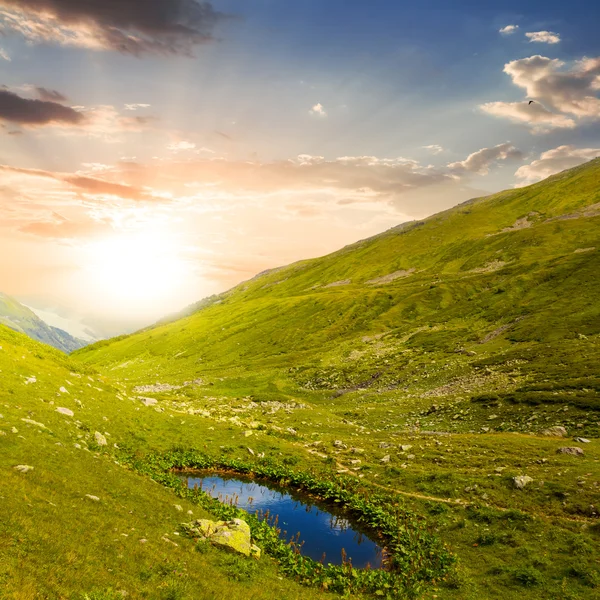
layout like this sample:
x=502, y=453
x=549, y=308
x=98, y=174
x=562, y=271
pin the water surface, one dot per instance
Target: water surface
x=324, y=533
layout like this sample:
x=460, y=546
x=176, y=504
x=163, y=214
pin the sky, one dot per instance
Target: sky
x=154, y=152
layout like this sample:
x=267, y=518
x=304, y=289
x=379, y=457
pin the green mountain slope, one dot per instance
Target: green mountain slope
x=22, y=319
x=498, y=277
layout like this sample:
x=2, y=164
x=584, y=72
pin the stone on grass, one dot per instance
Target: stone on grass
x=63, y=390
x=386, y=459
x=65, y=411
x=556, y=431
x=521, y=481
x=581, y=440
x=233, y=535
x=100, y=439
x=248, y=433
x=93, y=498
x=573, y=450
x=23, y=468
x=178, y=507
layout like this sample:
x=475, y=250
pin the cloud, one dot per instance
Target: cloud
x=159, y=26
x=480, y=162
x=540, y=119
x=434, y=148
x=545, y=37
x=24, y=111
x=180, y=146
x=318, y=109
x=564, y=93
x=87, y=185
x=50, y=95
x=136, y=106
x=554, y=161
x=509, y=29
x=4, y=55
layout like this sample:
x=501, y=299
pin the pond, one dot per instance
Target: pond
x=325, y=535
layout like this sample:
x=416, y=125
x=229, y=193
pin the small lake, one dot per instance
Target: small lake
x=324, y=533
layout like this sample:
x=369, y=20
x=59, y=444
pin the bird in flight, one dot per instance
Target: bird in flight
x=531, y=101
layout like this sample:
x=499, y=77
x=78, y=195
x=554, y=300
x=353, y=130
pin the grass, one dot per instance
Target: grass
x=440, y=383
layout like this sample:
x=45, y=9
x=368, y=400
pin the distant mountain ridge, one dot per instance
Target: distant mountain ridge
x=18, y=317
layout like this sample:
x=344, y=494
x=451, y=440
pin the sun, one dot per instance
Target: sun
x=136, y=272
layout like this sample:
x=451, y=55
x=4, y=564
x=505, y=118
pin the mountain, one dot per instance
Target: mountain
x=509, y=277
x=22, y=319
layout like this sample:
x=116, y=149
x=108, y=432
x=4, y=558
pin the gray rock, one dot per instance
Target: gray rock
x=100, y=439
x=23, y=468
x=93, y=498
x=405, y=447
x=557, y=431
x=386, y=459
x=339, y=444
x=572, y=450
x=65, y=411
x=521, y=481
x=581, y=440
x=385, y=445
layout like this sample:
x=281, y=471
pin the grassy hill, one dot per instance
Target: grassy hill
x=424, y=364
x=22, y=319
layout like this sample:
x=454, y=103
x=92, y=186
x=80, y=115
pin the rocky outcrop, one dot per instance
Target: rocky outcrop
x=573, y=451
x=233, y=535
x=556, y=431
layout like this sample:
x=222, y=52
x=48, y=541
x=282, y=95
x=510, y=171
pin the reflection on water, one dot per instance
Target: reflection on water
x=323, y=535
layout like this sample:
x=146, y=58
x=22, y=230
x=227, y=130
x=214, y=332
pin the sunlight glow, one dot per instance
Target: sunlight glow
x=139, y=272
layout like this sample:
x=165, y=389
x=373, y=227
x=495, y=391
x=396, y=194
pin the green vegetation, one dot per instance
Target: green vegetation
x=425, y=386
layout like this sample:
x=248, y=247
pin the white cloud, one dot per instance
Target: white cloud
x=434, y=148
x=509, y=29
x=562, y=92
x=4, y=55
x=480, y=162
x=545, y=37
x=181, y=146
x=136, y=106
x=553, y=161
x=319, y=110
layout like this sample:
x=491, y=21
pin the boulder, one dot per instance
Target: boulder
x=233, y=535
x=556, y=431
x=521, y=481
x=573, y=450
x=100, y=439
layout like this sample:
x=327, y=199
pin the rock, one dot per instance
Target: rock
x=357, y=450
x=23, y=468
x=255, y=551
x=573, y=450
x=291, y=431
x=149, y=401
x=386, y=459
x=356, y=461
x=93, y=498
x=405, y=447
x=63, y=390
x=339, y=444
x=521, y=481
x=78, y=446
x=178, y=507
x=100, y=439
x=65, y=411
x=557, y=431
x=581, y=440
x=30, y=380
x=492, y=417
x=34, y=423
x=385, y=445
x=14, y=430
x=248, y=433
x=233, y=535
x=250, y=451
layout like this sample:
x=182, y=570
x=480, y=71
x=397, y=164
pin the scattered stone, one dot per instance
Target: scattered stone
x=499, y=469
x=14, y=430
x=357, y=450
x=355, y=462
x=93, y=498
x=178, y=507
x=34, y=423
x=63, y=390
x=30, y=380
x=405, y=447
x=100, y=439
x=485, y=429
x=581, y=440
x=248, y=433
x=386, y=459
x=385, y=445
x=23, y=468
x=291, y=431
x=557, y=431
x=78, y=446
x=492, y=417
x=521, y=481
x=143, y=541
x=148, y=401
x=233, y=535
x=250, y=451
x=573, y=450
x=339, y=444
x=65, y=411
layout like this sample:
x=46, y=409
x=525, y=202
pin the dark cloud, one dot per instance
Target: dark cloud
x=128, y=26
x=25, y=111
x=50, y=95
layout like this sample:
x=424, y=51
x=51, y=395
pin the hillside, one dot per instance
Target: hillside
x=447, y=350
x=22, y=319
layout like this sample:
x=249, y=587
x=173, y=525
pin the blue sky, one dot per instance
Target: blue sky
x=436, y=96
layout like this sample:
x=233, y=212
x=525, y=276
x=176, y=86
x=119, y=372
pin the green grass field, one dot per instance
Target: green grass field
x=440, y=356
